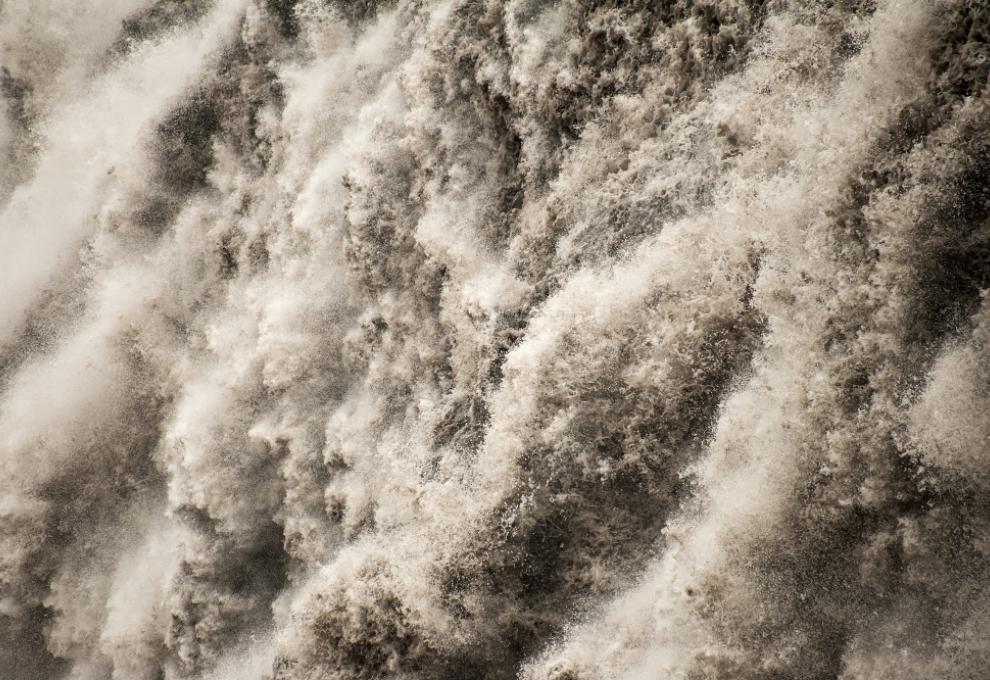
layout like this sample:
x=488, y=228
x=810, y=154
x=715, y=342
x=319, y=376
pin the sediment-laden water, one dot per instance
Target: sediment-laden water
x=494, y=339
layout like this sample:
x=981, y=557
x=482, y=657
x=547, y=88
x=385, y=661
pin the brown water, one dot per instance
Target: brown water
x=493, y=339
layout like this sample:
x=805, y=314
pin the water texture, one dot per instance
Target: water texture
x=494, y=339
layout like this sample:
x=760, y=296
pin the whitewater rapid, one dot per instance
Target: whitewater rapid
x=494, y=339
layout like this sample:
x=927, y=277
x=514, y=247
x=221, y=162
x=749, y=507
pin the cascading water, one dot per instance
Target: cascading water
x=492, y=339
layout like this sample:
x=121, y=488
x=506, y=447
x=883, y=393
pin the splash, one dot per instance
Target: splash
x=494, y=339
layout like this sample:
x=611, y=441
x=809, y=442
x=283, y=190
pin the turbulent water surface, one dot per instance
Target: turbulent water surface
x=494, y=339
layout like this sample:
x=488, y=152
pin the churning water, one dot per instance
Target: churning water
x=493, y=339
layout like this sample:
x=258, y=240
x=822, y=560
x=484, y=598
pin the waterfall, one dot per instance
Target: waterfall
x=494, y=339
